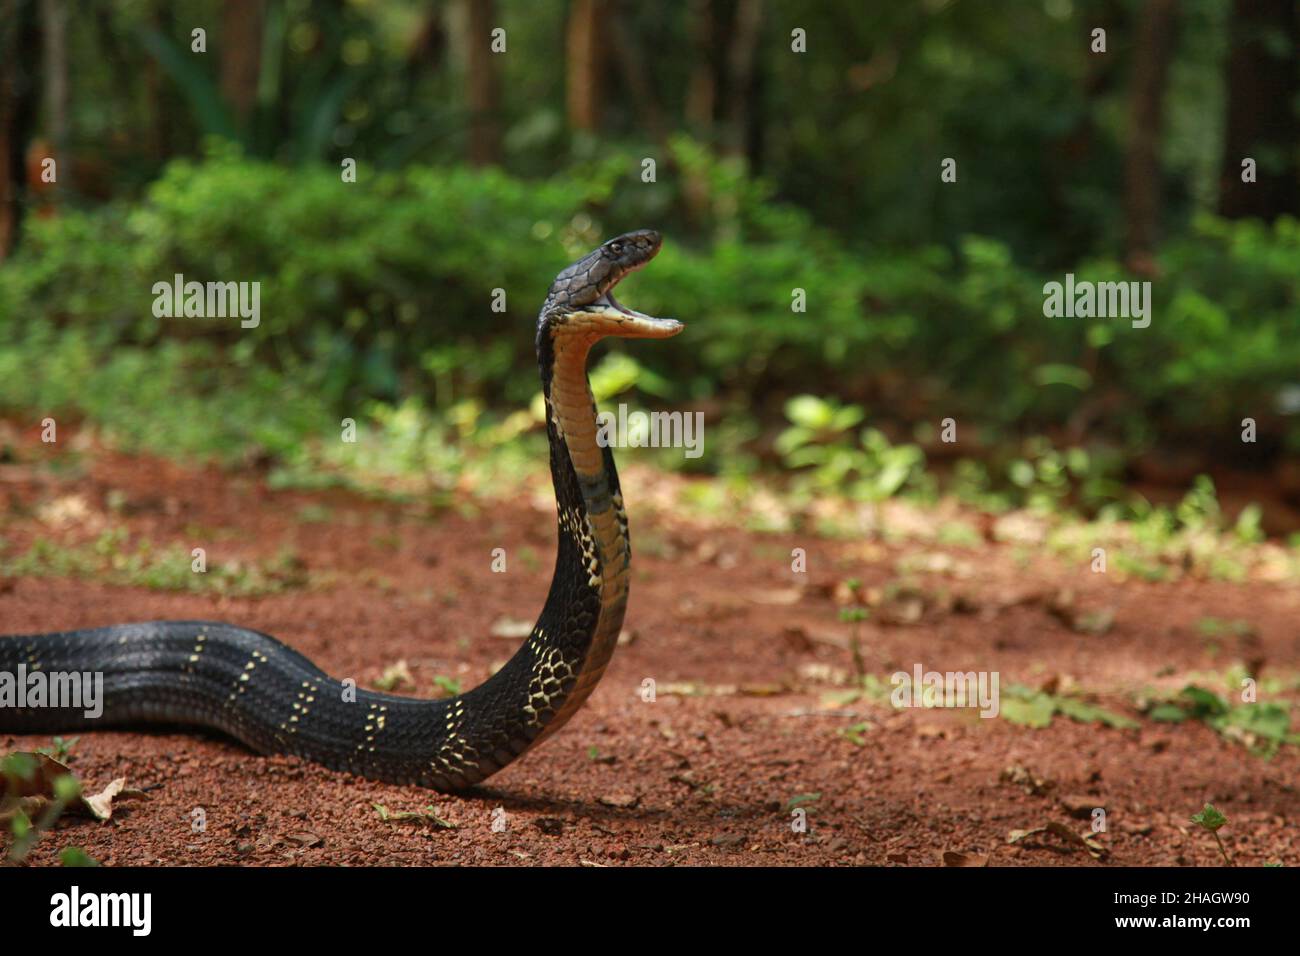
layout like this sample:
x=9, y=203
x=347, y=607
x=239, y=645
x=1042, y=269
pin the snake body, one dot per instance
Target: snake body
x=253, y=687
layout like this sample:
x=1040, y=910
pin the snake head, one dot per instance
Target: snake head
x=582, y=296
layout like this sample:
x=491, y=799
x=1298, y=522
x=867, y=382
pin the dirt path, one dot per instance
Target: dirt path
x=743, y=652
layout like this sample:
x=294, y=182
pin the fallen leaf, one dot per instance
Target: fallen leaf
x=427, y=815
x=1033, y=784
x=395, y=676
x=1079, y=806
x=32, y=782
x=620, y=800
x=1055, y=827
x=777, y=596
x=100, y=804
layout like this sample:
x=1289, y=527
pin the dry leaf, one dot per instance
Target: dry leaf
x=777, y=596
x=953, y=858
x=304, y=839
x=34, y=793
x=1079, y=805
x=620, y=801
x=1055, y=827
x=100, y=804
x=395, y=676
x=1033, y=784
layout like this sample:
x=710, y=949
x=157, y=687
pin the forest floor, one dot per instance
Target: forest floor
x=755, y=750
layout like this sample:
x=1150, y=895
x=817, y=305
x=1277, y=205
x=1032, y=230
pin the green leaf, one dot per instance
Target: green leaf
x=1271, y=721
x=1203, y=703
x=800, y=799
x=21, y=825
x=197, y=85
x=1035, y=711
x=1168, y=713
x=66, y=788
x=1209, y=818
x=1069, y=375
x=76, y=856
x=1092, y=714
x=809, y=411
x=854, y=733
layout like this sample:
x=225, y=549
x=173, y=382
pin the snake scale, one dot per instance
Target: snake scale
x=251, y=686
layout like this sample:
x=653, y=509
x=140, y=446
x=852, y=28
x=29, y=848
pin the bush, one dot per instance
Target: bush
x=385, y=288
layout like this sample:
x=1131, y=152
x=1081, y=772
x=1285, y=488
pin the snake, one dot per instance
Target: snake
x=252, y=687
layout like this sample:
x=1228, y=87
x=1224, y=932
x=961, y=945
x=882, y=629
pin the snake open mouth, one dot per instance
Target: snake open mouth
x=609, y=301
x=630, y=323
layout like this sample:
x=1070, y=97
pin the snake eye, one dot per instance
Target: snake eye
x=616, y=247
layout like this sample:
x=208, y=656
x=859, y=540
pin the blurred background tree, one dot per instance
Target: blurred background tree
x=497, y=138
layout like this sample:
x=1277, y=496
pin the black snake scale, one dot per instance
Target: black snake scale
x=270, y=697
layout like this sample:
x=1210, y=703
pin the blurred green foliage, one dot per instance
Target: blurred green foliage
x=385, y=289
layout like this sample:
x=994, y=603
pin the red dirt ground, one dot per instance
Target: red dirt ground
x=698, y=778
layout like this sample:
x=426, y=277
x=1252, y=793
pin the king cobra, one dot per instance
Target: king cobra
x=249, y=685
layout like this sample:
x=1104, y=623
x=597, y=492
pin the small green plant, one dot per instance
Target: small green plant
x=854, y=615
x=820, y=441
x=446, y=686
x=1031, y=708
x=114, y=558
x=1262, y=727
x=854, y=733
x=22, y=774
x=76, y=856
x=1212, y=820
x=808, y=801
x=59, y=748
x=1218, y=627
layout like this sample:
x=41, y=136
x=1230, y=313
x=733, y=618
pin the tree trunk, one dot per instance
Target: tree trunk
x=482, y=90
x=702, y=88
x=1261, y=122
x=1073, y=152
x=637, y=78
x=19, y=36
x=584, y=64
x=1142, y=180
x=54, y=26
x=158, y=137
x=742, y=61
x=241, y=56
x=8, y=100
